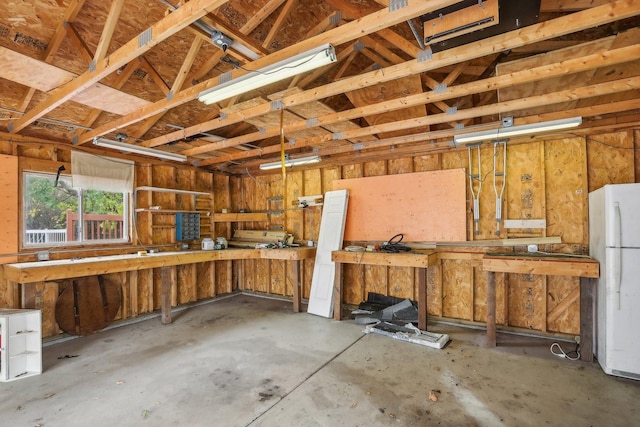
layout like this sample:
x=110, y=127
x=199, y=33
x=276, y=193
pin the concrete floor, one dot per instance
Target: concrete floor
x=246, y=360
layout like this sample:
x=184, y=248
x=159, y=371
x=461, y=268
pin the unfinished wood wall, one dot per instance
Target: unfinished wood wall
x=140, y=289
x=545, y=180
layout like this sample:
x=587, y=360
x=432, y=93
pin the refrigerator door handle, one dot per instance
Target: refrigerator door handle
x=617, y=264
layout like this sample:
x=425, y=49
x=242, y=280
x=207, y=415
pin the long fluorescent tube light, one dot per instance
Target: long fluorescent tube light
x=130, y=148
x=290, y=162
x=255, y=79
x=506, y=132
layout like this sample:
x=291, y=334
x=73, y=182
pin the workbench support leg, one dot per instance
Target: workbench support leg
x=166, y=295
x=587, y=289
x=13, y=295
x=337, y=294
x=297, y=286
x=491, y=309
x=422, y=298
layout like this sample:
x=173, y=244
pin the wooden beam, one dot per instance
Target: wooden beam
x=155, y=76
x=157, y=33
x=176, y=87
x=531, y=34
x=553, y=266
x=54, y=44
x=76, y=40
x=346, y=33
x=507, y=106
x=563, y=306
x=261, y=15
x=275, y=27
x=107, y=31
x=570, y=5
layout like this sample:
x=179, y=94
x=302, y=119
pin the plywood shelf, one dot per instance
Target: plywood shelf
x=241, y=217
x=172, y=190
x=171, y=211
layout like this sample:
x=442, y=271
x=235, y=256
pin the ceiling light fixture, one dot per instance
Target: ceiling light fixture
x=507, y=132
x=130, y=148
x=291, y=162
x=255, y=79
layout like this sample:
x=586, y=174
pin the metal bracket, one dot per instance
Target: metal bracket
x=425, y=55
x=397, y=4
x=223, y=78
x=335, y=18
x=452, y=110
x=145, y=37
x=440, y=88
x=278, y=104
x=311, y=122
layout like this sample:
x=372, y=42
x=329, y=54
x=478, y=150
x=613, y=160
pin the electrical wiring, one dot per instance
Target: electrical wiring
x=565, y=355
x=395, y=246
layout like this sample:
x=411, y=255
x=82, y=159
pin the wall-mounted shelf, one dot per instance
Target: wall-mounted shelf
x=172, y=190
x=240, y=217
x=201, y=204
x=170, y=211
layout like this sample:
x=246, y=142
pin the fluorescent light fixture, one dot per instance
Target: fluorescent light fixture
x=130, y=148
x=255, y=79
x=291, y=162
x=506, y=132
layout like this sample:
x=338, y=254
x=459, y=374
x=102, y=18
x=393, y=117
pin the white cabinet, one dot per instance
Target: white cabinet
x=20, y=344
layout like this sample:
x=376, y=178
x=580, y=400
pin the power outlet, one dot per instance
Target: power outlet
x=42, y=256
x=532, y=248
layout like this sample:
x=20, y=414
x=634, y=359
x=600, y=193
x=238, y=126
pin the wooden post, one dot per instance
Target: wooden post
x=422, y=298
x=295, y=283
x=491, y=309
x=337, y=294
x=587, y=288
x=166, y=295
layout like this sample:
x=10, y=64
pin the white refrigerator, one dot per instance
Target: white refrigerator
x=614, y=240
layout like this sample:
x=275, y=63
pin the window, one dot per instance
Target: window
x=56, y=213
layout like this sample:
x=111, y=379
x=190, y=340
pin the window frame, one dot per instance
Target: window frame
x=126, y=216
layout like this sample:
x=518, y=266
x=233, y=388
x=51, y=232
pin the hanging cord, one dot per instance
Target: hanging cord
x=395, y=246
x=565, y=355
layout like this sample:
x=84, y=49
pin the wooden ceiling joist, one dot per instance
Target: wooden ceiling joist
x=500, y=108
x=158, y=32
x=441, y=140
x=107, y=32
x=343, y=34
x=607, y=57
x=562, y=25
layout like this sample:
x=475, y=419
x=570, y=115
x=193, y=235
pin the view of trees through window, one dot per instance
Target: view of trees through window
x=57, y=212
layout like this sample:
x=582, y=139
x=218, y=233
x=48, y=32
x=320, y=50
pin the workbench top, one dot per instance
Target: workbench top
x=37, y=271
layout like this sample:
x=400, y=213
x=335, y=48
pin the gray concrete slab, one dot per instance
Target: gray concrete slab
x=252, y=361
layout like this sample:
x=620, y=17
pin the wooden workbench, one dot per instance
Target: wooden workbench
x=586, y=269
x=419, y=260
x=18, y=274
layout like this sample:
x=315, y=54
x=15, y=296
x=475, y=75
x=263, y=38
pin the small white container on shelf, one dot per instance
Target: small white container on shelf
x=20, y=344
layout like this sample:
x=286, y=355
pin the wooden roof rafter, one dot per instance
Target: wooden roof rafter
x=348, y=32
x=606, y=57
x=54, y=44
x=107, y=32
x=282, y=16
x=531, y=34
x=157, y=33
x=82, y=48
x=441, y=139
